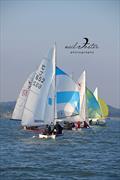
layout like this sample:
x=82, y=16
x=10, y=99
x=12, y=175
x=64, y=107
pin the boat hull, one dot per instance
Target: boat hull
x=42, y=136
x=99, y=122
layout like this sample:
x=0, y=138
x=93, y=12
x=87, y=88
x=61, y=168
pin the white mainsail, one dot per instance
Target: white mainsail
x=96, y=93
x=34, y=112
x=22, y=98
x=82, y=88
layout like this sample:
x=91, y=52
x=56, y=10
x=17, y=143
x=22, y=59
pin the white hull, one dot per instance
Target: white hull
x=98, y=121
x=42, y=136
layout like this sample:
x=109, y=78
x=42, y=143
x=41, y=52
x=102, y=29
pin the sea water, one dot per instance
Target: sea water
x=89, y=154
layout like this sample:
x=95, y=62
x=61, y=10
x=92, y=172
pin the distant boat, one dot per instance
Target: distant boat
x=89, y=107
x=94, y=111
x=103, y=107
x=83, y=99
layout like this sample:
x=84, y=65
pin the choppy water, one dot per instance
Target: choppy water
x=91, y=154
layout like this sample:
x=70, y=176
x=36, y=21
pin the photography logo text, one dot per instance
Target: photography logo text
x=82, y=47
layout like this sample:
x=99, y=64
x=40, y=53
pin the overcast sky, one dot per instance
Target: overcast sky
x=30, y=28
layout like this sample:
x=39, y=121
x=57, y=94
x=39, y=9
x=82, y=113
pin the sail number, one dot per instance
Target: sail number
x=39, y=79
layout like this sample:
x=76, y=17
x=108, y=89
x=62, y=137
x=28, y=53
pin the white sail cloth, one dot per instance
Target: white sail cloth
x=96, y=93
x=22, y=98
x=82, y=88
x=53, y=94
x=34, y=111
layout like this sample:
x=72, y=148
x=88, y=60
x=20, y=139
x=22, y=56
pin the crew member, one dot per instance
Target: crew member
x=85, y=124
x=57, y=129
x=78, y=125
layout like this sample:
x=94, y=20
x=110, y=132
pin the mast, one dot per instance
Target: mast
x=55, y=80
x=86, y=109
x=85, y=98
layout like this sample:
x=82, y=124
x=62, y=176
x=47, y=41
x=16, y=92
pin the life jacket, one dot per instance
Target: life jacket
x=58, y=129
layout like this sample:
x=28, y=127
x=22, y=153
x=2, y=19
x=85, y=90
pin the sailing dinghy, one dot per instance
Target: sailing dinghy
x=103, y=107
x=53, y=96
x=51, y=92
x=94, y=111
x=38, y=109
x=89, y=106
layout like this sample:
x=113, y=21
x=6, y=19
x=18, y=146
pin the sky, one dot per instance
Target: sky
x=29, y=29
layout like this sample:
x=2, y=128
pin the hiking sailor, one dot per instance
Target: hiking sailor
x=57, y=129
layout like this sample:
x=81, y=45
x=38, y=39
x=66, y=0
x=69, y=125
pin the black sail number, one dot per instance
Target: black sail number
x=39, y=78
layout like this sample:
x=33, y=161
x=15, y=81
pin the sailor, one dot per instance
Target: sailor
x=90, y=122
x=73, y=125
x=85, y=125
x=78, y=125
x=52, y=126
x=47, y=130
x=57, y=129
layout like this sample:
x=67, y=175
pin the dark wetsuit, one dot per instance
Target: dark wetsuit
x=85, y=124
x=90, y=122
x=58, y=129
